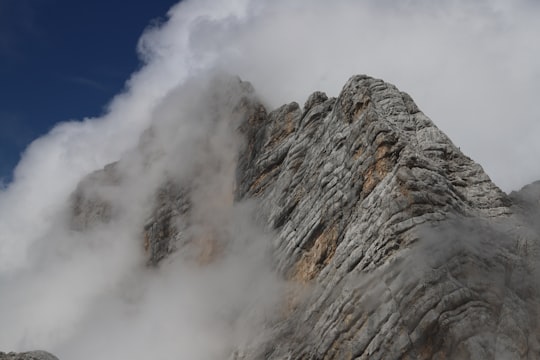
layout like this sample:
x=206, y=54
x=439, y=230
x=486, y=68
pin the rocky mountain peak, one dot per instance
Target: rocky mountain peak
x=371, y=156
x=364, y=188
x=395, y=244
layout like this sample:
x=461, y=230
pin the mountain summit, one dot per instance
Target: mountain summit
x=352, y=226
x=407, y=247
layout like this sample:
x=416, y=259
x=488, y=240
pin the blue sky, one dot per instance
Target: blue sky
x=62, y=60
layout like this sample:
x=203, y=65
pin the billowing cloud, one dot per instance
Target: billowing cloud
x=472, y=66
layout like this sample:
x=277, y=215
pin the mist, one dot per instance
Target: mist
x=473, y=67
x=86, y=291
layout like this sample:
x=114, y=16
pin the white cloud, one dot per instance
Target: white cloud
x=471, y=66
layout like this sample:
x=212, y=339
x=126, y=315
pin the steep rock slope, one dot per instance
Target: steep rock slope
x=176, y=198
x=407, y=248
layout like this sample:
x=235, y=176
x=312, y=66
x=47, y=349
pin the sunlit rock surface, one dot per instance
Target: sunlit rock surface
x=401, y=245
x=396, y=244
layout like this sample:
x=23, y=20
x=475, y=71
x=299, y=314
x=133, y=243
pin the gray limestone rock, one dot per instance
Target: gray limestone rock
x=408, y=250
x=31, y=355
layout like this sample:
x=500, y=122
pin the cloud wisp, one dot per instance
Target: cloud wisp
x=471, y=66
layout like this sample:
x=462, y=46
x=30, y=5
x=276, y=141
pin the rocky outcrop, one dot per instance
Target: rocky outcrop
x=408, y=250
x=398, y=245
x=31, y=355
x=89, y=204
x=171, y=222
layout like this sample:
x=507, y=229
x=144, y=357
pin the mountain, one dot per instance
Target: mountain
x=409, y=250
x=387, y=241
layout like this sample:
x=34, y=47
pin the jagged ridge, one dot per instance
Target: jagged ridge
x=350, y=185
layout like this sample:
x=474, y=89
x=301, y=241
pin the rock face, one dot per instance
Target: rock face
x=31, y=355
x=408, y=249
x=398, y=245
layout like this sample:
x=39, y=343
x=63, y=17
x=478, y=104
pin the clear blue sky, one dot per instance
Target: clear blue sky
x=62, y=60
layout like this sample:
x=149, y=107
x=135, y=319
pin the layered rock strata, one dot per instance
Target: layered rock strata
x=408, y=250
